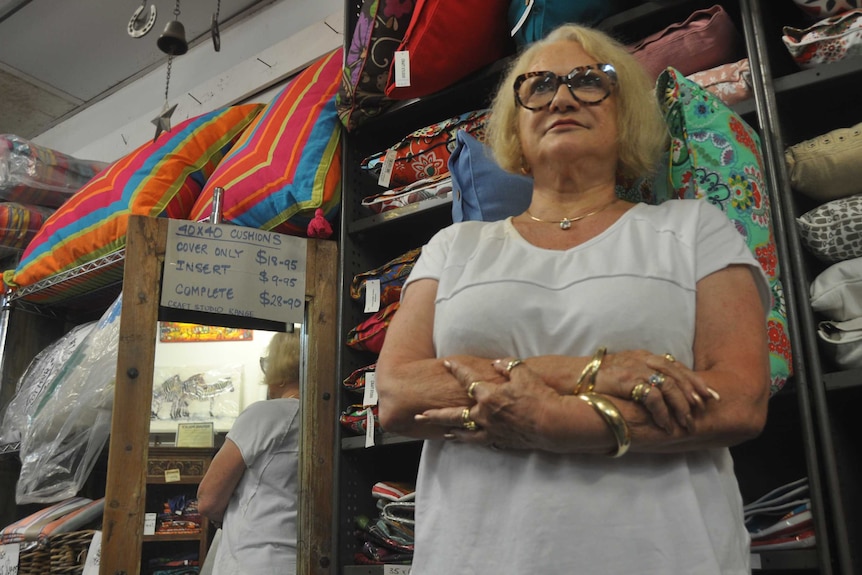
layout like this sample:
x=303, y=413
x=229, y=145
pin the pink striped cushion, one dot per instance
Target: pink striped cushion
x=288, y=163
x=161, y=178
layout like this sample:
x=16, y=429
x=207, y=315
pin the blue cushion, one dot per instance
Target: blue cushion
x=481, y=189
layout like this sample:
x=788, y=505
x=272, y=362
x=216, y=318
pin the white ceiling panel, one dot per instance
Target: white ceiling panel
x=58, y=56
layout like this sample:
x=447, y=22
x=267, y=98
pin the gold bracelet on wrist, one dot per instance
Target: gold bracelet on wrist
x=613, y=418
x=590, y=371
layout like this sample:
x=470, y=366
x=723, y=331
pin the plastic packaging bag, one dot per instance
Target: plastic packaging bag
x=31, y=386
x=32, y=174
x=72, y=420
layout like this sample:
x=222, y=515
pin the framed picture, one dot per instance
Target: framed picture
x=175, y=332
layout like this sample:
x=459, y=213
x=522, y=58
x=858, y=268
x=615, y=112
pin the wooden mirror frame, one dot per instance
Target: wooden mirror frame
x=125, y=490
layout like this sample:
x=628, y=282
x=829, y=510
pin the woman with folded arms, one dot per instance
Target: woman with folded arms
x=578, y=371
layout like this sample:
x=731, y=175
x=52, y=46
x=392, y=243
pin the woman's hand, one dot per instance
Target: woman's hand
x=505, y=414
x=670, y=391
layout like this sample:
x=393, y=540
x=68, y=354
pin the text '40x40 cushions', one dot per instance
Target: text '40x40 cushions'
x=715, y=156
x=161, y=178
x=288, y=163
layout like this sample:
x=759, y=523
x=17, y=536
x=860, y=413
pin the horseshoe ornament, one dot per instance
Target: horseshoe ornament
x=133, y=29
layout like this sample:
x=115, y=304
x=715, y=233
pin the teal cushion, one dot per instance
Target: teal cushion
x=533, y=20
x=716, y=156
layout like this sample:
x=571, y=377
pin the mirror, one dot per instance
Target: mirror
x=205, y=378
x=126, y=482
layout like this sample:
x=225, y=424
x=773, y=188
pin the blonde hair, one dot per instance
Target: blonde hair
x=643, y=133
x=282, y=359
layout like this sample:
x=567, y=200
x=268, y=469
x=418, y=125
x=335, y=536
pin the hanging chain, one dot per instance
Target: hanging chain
x=168, y=80
x=218, y=9
x=177, y=11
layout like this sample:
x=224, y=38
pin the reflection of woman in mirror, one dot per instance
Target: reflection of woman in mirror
x=252, y=483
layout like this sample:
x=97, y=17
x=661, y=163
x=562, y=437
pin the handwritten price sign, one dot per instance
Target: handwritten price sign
x=234, y=270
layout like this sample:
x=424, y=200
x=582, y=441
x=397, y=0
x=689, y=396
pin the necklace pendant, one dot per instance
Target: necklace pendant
x=565, y=224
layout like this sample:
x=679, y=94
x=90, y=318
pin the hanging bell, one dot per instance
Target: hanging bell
x=173, y=39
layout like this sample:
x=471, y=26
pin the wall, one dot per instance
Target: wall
x=256, y=55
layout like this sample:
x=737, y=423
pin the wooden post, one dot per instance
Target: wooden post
x=125, y=491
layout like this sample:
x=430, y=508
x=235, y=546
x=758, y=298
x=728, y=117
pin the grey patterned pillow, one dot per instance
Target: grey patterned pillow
x=833, y=231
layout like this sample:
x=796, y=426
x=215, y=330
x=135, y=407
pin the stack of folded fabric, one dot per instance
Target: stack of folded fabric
x=781, y=519
x=388, y=539
x=179, y=515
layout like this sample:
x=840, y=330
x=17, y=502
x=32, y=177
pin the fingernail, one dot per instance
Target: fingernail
x=448, y=436
x=684, y=421
x=669, y=429
x=689, y=422
x=714, y=394
x=447, y=364
x=697, y=399
x=420, y=417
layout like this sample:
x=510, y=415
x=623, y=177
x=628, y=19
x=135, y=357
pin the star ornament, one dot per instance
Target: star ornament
x=163, y=120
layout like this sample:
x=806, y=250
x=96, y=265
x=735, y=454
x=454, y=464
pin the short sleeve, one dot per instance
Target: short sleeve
x=720, y=245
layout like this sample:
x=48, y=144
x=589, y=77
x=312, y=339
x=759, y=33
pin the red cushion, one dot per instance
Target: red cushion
x=447, y=40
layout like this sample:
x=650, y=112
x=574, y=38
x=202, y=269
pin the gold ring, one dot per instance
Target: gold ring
x=512, y=365
x=641, y=391
x=472, y=388
x=657, y=380
x=466, y=422
x=669, y=357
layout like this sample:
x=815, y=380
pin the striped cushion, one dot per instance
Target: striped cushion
x=288, y=163
x=161, y=178
x=36, y=175
x=19, y=223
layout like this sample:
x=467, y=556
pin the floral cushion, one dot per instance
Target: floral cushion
x=825, y=8
x=378, y=32
x=369, y=334
x=830, y=40
x=833, y=231
x=423, y=153
x=391, y=276
x=435, y=187
x=730, y=82
x=715, y=156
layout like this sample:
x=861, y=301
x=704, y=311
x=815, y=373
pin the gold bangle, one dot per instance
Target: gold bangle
x=613, y=418
x=590, y=371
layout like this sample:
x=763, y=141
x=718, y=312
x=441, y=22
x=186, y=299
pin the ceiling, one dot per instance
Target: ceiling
x=58, y=57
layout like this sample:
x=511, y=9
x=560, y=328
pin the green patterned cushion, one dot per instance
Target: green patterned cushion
x=715, y=156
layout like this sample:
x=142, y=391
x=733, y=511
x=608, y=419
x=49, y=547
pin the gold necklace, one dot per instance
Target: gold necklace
x=566, y=223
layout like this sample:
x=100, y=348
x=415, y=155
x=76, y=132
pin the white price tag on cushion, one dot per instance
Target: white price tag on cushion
x=372, y=296
x=386, y=169
x=369, y=427
x=369, y=397
x=402, y=68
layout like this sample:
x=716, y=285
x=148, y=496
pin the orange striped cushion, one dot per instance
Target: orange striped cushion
x=161, y=178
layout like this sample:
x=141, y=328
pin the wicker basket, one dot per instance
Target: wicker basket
x=34, y=562
x=62, y=554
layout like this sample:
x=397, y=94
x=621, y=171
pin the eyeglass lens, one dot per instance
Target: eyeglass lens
x=587, y=85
